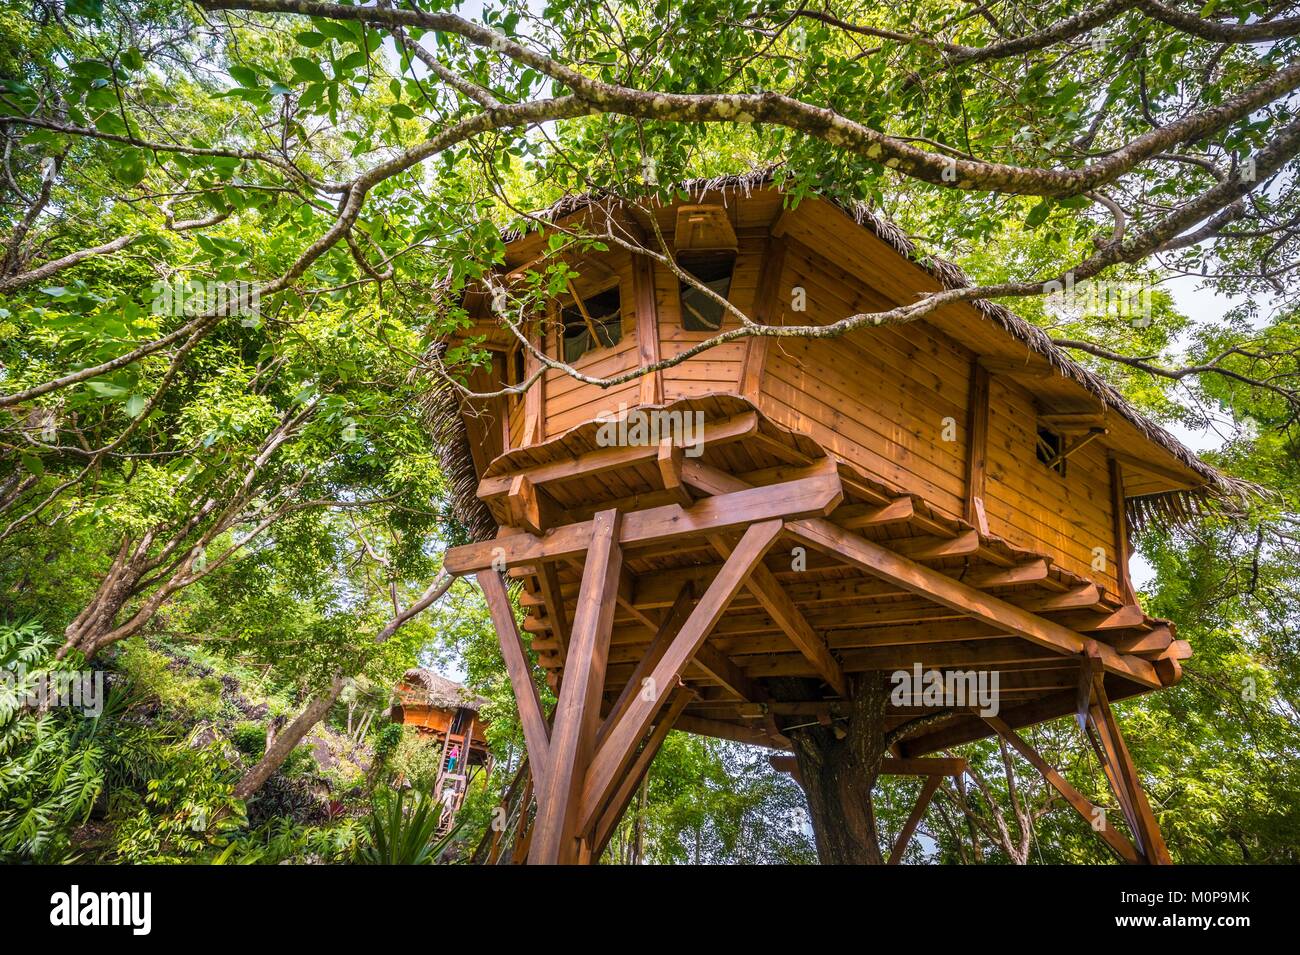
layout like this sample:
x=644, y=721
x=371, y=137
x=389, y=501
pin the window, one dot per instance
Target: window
x=590, y=323
x=700, y=313
x=1051, y=448
x=515, y=371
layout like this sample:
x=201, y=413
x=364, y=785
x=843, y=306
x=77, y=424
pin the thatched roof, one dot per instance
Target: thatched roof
x=1220, y=492
x=440, y=692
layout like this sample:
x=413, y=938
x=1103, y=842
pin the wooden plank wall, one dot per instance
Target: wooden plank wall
x=570, y=402
x=879, y=398
x=718, y=369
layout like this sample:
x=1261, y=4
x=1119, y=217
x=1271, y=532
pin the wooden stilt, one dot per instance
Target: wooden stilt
x=928, y=790
x=1145, y=825
x=622, y=797
x=536, y=734
x=1080, y=803
x=578, y=709
x=615, y=753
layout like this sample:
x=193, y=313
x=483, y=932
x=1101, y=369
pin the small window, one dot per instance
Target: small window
x=590, y=323
x=700, y=313
x=515, y=371
x=1051, y=447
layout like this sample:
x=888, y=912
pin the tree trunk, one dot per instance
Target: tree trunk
x=838, y=766
x=288, y=738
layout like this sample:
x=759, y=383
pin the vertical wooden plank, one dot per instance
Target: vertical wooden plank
x=535, y=397
x=647, y=328
x=536, y=735
x=578, y=709
x=977, y=444
x=767, y=306
x=1119, y=518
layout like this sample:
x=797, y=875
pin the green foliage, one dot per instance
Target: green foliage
x=56, y=765
x=402, y=830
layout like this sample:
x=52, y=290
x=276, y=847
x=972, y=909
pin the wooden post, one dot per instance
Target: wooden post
x=615, y=752
x=767, y=306
x=1119, y=517
x=536, y=734
x=977, y=439
x=535, y=397
x=1145, y=826
x=576, y=714
x=647, y=328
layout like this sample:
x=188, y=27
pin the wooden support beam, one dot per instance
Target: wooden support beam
x=857, y=516
x=772, y=597
x=733, y=679
x=928, y=789
x=594, y=463
x=1153, y=840
x=977, y=439
x=615, y=752
x=627, y=787
x=529, y=506
x=536, y=733
x=807, y=497
x=670, y=471
x=578, y=709
x=1073, y=797
x=1125, y=618
x=936, y=548
x=767, y=311
x=1027, y=573
x=1155, y=641
x=663, y=639
x=1119, y=518
x=1084, y=595
x=929, y=583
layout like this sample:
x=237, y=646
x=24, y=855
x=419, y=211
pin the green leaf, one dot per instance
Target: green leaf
x=245, y=77
x=1038, y=214
x=308, y=70
x=32, y=464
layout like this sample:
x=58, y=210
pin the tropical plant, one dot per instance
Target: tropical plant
x=402, y=829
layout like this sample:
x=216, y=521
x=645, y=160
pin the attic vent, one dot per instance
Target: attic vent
x=1051, y=447
x=700, y=313
x=590, y=323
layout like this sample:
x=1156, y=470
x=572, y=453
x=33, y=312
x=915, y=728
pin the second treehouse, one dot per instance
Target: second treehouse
x=749, y=543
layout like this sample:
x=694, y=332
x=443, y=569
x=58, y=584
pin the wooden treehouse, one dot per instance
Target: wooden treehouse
x=448, y=712
x=955, y=493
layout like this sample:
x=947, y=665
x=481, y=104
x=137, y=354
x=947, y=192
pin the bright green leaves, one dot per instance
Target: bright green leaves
x=307, y=70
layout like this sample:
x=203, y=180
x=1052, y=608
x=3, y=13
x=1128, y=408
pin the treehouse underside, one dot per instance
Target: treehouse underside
x=666, y=586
